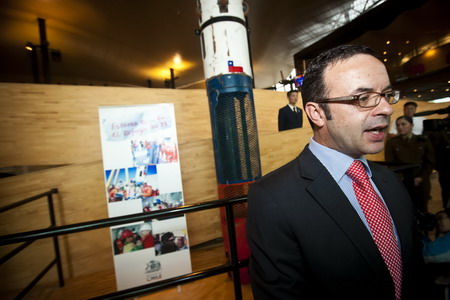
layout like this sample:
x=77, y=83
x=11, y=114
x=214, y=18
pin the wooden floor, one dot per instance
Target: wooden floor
x=218, y=287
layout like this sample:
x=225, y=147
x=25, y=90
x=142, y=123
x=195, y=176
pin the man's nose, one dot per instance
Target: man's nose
x=384, y=108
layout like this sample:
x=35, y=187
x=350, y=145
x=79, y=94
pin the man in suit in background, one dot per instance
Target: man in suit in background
x=330, y=224
x=290, y=116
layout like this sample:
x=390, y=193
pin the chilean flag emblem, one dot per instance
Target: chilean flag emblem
x=232, y=68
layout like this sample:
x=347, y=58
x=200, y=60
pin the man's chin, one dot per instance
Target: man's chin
x=375, y=148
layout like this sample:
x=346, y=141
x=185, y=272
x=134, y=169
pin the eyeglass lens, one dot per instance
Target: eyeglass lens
x=372, y=99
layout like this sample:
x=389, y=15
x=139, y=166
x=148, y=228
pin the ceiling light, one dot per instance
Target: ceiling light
x=447, y=90
x=432, y=90
x=388, y=42
x=399, y=53
x=442, y=100
x=430, y=53
x=415, y=90
x=407, y=42
x=420, y=96
x=385, y=52
x=385, y=60
x=29, y=46
x=177, y=59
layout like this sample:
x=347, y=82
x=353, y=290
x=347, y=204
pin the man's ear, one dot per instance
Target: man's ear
x=315, y=113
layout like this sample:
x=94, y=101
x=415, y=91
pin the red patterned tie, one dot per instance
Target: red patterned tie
x=379, y=221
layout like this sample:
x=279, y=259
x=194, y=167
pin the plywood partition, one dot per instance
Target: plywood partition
x=51, y=125
x=56, y=124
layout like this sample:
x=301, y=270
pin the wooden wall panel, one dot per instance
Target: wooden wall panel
x=55, y=124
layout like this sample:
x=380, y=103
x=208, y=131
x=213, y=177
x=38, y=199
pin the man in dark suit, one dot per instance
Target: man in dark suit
x=290, y=116
x=309, y=234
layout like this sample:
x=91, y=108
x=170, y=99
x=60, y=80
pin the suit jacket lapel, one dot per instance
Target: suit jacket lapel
x=330, y=196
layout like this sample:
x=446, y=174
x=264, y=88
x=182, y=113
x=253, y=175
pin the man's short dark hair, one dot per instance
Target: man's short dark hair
x=290, y=92
x=313, y=87
x=410, y=103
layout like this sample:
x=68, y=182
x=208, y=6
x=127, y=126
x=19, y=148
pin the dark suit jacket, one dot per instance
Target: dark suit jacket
x=287, y=119
x=308, y=242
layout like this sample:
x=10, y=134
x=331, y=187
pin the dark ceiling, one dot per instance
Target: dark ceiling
x=126, y=43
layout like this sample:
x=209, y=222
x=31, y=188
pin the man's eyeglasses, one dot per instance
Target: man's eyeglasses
x=369, y=99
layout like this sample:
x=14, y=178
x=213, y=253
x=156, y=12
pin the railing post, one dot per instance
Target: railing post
x=55, y=238
x=233, y=252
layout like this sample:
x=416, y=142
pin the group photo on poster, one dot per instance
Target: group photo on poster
x=162, y=202
x=132, y=238
x=152, y=152
x=131, y=183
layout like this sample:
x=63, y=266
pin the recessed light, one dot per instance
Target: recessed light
x=415, y=90
x=407, y=42
x=432, y=90
x=399, y=53
x=385, y=60
x=388, y=42
x=385, y=52
x=420, y=96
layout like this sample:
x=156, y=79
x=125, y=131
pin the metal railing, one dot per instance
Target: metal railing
x=56, y=261
x=232, y=266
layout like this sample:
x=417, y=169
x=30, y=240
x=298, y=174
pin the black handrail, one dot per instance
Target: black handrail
x=233, y=265
x=56, y=261
x=108, y=222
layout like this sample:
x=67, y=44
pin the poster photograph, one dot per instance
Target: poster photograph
x=142, y=174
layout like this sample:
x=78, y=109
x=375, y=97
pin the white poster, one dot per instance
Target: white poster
x=142, y=174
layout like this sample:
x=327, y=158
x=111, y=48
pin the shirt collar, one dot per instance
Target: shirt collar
x=335, y=162
x=408, y=136
x=291, y=106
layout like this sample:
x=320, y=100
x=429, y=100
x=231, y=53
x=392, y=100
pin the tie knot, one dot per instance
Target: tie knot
x=356, y=171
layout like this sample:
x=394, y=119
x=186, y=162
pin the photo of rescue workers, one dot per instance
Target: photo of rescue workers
x=153, y=152
x=131, y=183
x=168, y=242
x=162, y=201
x=132, y=238
x=137, y=237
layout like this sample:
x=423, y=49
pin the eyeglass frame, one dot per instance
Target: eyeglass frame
x=355, y=98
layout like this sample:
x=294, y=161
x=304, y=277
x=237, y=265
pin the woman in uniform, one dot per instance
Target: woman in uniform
x=407, y=147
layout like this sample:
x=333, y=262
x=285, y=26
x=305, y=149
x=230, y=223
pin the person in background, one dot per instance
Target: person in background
x=146, y=234
x=330, y=224
x=168, y=243
x=437, y=256
x=128, y=241
x=181, y=243
x=409, y=148
x=409, y=109
x=438, y=251
x=290, y=116
x=440, y=139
